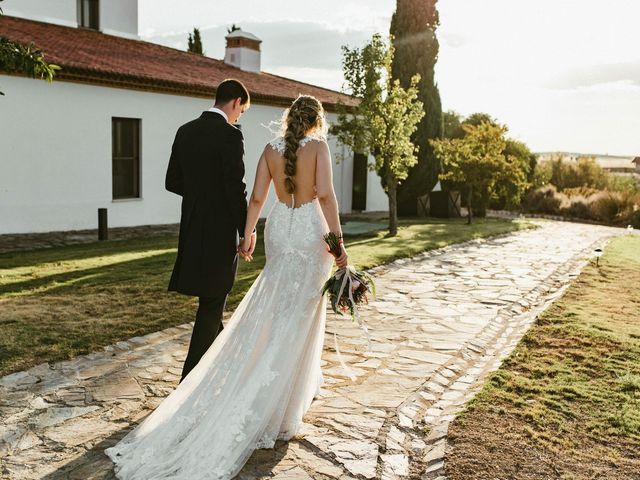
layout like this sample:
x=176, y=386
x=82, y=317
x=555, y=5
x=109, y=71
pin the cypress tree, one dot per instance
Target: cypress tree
x=413, y=26
x=195, y=42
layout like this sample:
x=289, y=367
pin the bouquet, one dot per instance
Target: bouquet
x=347, y=288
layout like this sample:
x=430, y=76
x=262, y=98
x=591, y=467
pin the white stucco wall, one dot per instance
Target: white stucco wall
x=117, y=17
x=242, y=57
x=377, y=200
x=61, y=12
x=55, y=155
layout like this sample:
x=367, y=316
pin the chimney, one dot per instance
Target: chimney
x=243, y=51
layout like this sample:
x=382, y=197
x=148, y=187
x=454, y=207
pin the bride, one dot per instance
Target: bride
x=258, y=378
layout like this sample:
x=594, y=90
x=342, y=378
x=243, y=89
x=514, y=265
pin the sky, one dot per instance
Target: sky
x=563, y=75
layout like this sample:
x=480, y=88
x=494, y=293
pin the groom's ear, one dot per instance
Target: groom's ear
x=244, y=106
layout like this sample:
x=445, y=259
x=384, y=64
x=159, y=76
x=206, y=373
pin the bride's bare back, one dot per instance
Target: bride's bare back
x=306, y=168
x=313, y=179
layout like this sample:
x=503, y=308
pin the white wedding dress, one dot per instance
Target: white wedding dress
x=258, y=378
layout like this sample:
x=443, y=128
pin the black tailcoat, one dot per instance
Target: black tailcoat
x=206, y=168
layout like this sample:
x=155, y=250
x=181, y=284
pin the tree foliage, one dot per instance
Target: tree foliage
x=478, y=163
x=452, y=125
x=385, y=118
x=508, y=191
x=24, y=59
x=413, y=28
x=195, y=42
x=477, y=118
x=505, y=194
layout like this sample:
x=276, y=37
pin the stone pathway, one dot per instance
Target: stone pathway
x=442, y=322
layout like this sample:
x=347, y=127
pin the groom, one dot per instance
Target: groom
x=207, y=169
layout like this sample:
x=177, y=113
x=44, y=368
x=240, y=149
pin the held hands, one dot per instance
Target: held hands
x=247, y=246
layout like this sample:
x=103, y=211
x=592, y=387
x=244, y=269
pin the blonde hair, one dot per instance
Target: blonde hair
x=305, y=116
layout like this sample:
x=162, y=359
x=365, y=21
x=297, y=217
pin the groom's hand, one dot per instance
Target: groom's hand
x=244, y=253
x=241, y=252
x=247, y=246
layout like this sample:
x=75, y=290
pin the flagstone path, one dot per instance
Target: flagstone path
x=441, y=323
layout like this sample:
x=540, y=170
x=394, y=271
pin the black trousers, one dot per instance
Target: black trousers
x=207, y=327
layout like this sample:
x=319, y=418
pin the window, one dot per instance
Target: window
x=88, y=13
x=125, y=133
x=359, y=186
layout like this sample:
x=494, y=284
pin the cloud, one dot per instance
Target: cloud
x=291, y=44
x=624, y=73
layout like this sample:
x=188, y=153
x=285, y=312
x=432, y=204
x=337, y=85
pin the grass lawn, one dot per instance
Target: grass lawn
x=566, y=403
x=60, y=302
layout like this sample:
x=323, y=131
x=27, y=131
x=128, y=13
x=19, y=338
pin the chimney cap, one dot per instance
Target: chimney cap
x=239, y=33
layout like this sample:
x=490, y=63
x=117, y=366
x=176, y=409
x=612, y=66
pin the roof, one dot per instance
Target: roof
x=636, y=160
x=88, y=56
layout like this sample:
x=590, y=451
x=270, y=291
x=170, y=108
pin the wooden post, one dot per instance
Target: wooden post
x=103, y=229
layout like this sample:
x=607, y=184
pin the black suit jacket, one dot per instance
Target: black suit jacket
x=206, y=167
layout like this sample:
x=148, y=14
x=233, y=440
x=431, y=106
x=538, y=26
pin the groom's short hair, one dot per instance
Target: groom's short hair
x=231, y=89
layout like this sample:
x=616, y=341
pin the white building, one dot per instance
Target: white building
x=100, y=135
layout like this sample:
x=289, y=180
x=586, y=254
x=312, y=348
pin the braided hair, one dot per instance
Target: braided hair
x=305, y=114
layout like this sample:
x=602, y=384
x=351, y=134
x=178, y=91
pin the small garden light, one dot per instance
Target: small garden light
x=598, y=255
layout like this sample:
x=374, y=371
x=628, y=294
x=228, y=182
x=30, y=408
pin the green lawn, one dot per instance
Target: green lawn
x=566, y=403
x=60, y=302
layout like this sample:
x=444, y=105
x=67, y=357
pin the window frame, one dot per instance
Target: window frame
x=95, y=18
x=136, y=158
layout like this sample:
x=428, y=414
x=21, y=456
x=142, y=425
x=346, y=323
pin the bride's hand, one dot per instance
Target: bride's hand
x=342, y=260
x=247, y=246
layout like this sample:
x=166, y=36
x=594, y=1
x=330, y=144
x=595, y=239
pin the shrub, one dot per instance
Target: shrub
x=624, y=183
x=588, y=173
x=613, y=208
x=577, y=207
x=634, y=219
x=580, y=192
x=544, y=200
x=630, y=211
x=541, y=175
x=605, y=206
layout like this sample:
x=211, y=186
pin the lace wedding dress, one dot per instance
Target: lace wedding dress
x=258, y=378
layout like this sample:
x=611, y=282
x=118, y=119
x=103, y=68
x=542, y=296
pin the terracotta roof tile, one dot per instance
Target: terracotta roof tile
x=92, y=57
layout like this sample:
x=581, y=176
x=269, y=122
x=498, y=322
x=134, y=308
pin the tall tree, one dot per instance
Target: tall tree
x=24, y=59
x=385, y=118
x=478, y=163
x=195, y=42
x=413, y=27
